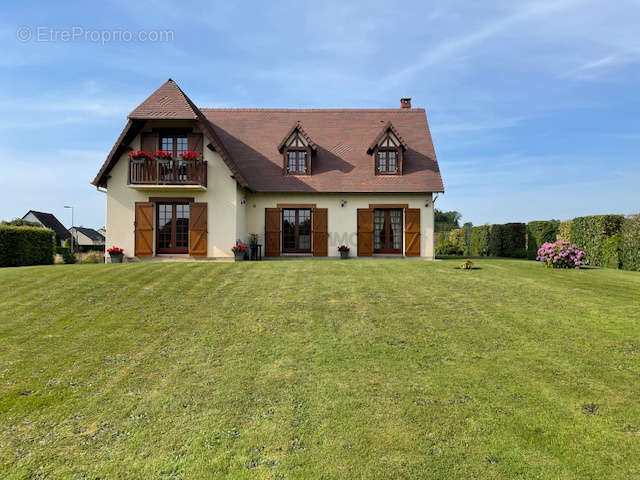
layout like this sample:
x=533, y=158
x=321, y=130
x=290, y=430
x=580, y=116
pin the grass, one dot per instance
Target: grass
x=319, y=369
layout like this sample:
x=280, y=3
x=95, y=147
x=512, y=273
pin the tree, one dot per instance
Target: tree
x=19, y=222
x=447, y=220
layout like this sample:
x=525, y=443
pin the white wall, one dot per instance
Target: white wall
x=220, y=196
x=342, y=221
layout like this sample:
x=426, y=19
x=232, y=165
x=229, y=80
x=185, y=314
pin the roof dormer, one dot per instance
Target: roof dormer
x=296, y=148
x=387, y=150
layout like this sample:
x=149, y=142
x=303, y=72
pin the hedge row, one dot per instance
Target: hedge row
x=591, y=233
x=630, y=243
x=539, y=232
x=26, y=246
x=453, y=242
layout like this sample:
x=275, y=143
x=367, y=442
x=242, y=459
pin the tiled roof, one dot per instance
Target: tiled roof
x=340, y=162
x=49, y=220
x=91, y=233
x=248, y=141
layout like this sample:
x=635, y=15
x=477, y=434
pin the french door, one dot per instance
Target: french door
x=387, y=230
x=296, y=230
x=172, y=228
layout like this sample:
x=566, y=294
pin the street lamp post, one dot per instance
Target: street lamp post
x=71, y=207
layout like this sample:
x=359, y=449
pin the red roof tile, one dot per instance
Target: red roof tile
x=248, y=141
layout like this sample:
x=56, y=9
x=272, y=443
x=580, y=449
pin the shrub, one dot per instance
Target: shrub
x=630, y=243
x=514, y=240
x=466, y=265
x=480, y=241
x=589, y=234
x=539, y=232
x=564, y=231
x=495, y=241
x=458, y=238
x=611, y=252
x=26, y=246
x=445, y=245
x=560, y=255
x=93, y=258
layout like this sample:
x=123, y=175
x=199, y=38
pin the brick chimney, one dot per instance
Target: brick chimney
x=405, y=103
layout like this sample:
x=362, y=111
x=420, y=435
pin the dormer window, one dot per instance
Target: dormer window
x=388, y=151
x=296, y=149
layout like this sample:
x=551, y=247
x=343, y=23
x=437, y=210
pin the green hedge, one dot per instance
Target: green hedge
x=514, y=240
x=539, y=232
x=630, y=239
x=589, y=234
x=452, y=243
x=480, y=241
x=564, y=231
x=611, y=250
x=26, y=246
x=495, y=241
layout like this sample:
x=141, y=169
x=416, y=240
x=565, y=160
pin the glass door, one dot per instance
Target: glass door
x=296, y=230
x=387, y=230
x=172, y=228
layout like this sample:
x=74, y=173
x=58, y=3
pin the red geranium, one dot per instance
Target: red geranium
x=189, y=155
x=343, y=248
x=162, y=154
x=139, y=154
x=115, y=250
x=238, y=247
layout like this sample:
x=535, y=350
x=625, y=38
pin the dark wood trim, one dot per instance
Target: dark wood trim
x=172, y=199
x=285, y=156
x=168, y=131
x=388, y=205
x=174, y=228
x=296, y=205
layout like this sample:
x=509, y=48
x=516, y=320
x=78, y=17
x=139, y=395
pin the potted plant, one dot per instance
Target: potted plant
x=116, y=254
x=139, y=156
x=253, y=245
x=344, y=251
x=188, y=155
x=238, y=250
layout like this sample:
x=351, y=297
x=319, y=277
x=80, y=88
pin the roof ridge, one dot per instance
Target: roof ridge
x=312, y=110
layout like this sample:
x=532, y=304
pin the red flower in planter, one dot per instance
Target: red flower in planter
x=139, y=154
x=238, y=247
x=189, y=155
x=162, y=154
x=343, y=248
x=115, y=250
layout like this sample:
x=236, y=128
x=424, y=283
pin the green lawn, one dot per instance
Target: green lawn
x=319, y=369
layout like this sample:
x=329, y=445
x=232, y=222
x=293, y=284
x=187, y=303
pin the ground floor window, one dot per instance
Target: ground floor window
x=172, y=228
x=387, y=230
x=296, y=230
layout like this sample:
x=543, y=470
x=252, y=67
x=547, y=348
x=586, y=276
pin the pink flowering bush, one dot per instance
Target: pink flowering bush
x=560, y=255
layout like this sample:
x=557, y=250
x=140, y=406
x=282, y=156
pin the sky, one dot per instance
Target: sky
x=533, y=105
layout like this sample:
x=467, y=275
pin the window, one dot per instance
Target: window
x=175, y=144
x=387, y=161
x=296, y=230
x=296, y=161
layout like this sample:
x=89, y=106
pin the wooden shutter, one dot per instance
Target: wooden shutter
x=320, y=232
x=272, y=232
x=194, y=142
x=198, y=229
x=412, y=232
x=149, y=142
x=365, y=232
x=143, y=235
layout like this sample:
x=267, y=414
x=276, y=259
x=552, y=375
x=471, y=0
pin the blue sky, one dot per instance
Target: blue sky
x=533, y=106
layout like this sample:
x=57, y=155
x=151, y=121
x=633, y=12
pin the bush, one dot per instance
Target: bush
x=539, y=232
x=589, y=234
x=458, y=238
x=495, y=241
x=630, y=243
x=26, y=246
x=611, y=250
x=450, y=243
x=480, y=241
x=93, y=258
x=560, y=255
x=564, y=231
x=514, y=240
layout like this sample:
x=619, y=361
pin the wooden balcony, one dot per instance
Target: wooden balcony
x=151, y=172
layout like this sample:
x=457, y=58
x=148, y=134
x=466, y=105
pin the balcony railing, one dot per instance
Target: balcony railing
x=151, y=171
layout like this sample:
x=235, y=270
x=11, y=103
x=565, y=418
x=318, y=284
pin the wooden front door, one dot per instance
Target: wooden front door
x=296, y=230
x=387, y=230
x=172, y=227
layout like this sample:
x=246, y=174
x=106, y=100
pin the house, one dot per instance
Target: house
x=183, y=180
x=83, y=236
x=102, y=231
x=48, y=220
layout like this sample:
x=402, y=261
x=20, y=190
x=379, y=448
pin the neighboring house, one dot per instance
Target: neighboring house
x=305, y=180
x=102, y=231
x=48, y=220
x=86, y=236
